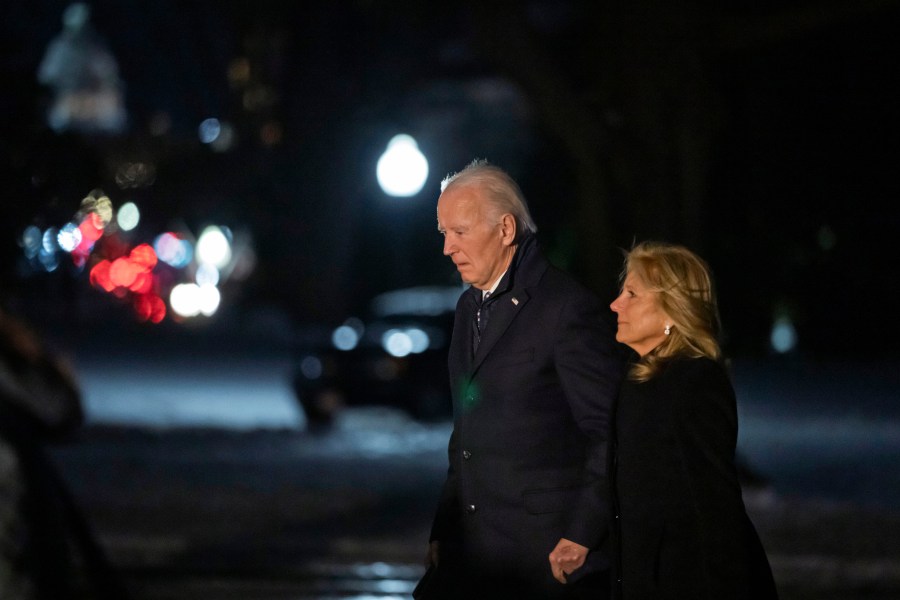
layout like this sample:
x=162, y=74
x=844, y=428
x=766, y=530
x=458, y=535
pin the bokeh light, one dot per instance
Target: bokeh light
x=397, y=343
x=127, y=272
x=173, y=250
x=214, y=247
x=150, y=307
x=419, y=339
x=209, y=130
x=402, y=170
x=49, y=242
x=31, y=241
x=69, y=237
x=185, y=299
x=135, y=175
x=207, y=274
x=209, y=299
x=784, y=336
x=345, y=338
x=128, y=216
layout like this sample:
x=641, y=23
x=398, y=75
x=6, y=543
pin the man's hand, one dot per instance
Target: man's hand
x=565, y=558
x=433, y=555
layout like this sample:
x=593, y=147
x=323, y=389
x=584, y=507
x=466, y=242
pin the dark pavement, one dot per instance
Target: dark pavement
x=275, y=511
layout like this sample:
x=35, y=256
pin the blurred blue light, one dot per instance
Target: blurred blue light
x=396, y=343
x=173, y=250
x=311, y=367
x=48, y=260
x=209, y=130
x=345, y=338
x=419, y=340
x=31, y=241
x=49, y=243
x=784, y=336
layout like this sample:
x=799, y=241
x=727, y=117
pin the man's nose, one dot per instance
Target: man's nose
x=449, y=248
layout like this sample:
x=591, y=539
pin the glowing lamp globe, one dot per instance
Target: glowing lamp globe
x=402, y=169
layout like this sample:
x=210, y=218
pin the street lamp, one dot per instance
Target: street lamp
x=402, y=169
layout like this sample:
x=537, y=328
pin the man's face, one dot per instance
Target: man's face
x=475, y=241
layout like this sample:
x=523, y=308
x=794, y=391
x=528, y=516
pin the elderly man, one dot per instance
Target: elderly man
x=534, y=370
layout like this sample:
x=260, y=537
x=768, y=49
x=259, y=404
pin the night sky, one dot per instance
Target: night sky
x=763, y=135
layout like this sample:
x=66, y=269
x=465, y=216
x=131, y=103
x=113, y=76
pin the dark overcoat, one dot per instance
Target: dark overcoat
x=532, y=412
x=681, y=528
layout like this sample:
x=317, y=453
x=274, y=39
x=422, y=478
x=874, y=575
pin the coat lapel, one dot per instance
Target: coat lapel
x=506, y=307
x=461, y=346
x=526, y=271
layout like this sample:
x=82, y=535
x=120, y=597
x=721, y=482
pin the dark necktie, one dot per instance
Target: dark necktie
x=481, y=319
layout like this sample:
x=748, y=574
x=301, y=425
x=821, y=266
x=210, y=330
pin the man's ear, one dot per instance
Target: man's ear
x=508, y=229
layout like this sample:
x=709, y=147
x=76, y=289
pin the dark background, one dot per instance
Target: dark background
x=761, y=134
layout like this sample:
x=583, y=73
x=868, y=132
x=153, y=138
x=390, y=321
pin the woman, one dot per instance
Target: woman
x=681, y=529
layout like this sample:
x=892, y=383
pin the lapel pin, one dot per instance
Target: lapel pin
x=515, y=301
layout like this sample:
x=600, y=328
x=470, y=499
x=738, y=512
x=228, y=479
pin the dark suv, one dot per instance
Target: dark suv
x=396, y=357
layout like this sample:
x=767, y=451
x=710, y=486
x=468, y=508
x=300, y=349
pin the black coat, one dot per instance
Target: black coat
x=681, y=529
x=532, y=412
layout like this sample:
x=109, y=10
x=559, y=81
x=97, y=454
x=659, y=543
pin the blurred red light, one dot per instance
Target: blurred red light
x=100, y=276
x=150, y=307
x=144, y=255
x=123, y=272
x=159, y=309
x=89, y=232
x=143, y=283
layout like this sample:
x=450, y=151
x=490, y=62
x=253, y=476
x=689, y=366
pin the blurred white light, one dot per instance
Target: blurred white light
x=419, y=340
x=209, y=130
x=345, y=337
x=402, y=169
x=128, y=216
x=207, y=274
x=185, y=299
x=213, y=247
x=210, y=297
x=396, y=343
x=784, y=336
x=69, y=237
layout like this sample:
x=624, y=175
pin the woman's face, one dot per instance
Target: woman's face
x=641, y=322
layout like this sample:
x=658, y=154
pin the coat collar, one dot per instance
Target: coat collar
x=511, y=295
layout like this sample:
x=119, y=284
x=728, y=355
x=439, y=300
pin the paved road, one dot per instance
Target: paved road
x=267, y=513
x=197, y=503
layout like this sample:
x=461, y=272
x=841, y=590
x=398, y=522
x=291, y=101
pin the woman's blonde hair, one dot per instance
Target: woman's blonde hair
x=683, y=285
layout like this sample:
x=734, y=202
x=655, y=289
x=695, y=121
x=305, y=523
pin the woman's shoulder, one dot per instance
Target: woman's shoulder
x=695, y=369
